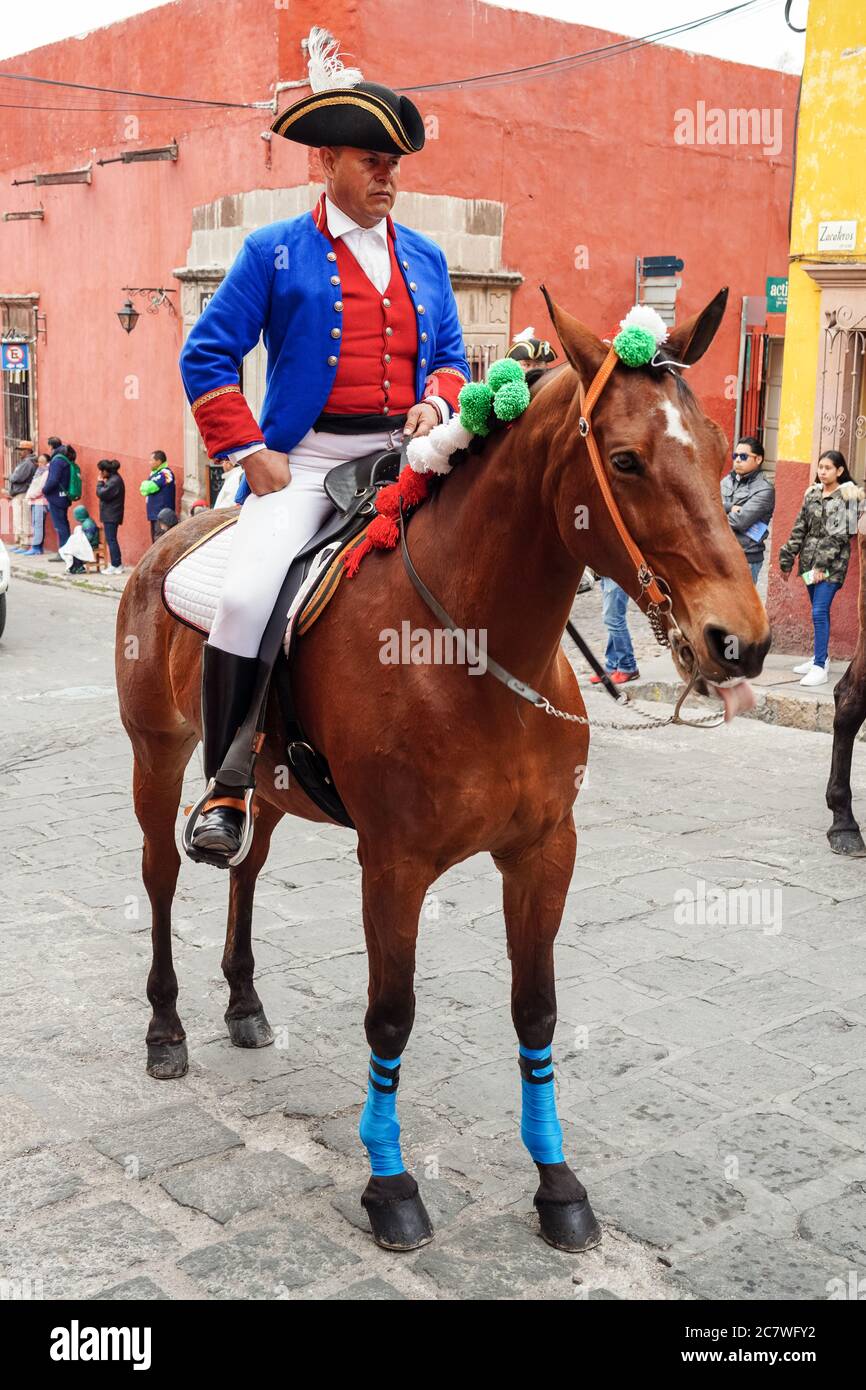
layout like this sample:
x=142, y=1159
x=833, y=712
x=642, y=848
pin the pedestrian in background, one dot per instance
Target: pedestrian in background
x=19, y=481
x=821, y=536
x=165, y=521
x=55, y=490
x=83, y=542
x=158, y=489
x=38, y=506
x=111, y=491
x=619, y=656
x=749, y=498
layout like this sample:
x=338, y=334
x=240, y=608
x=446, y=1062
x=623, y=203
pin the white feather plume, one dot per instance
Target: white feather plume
x=524, y=335
x=644, y=316
x=324, y=64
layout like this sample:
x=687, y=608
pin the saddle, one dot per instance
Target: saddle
x=189, y=594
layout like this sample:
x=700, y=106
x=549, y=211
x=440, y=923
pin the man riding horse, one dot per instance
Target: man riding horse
x=364, y=344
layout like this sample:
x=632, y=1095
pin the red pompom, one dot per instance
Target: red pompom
x=388, y=500
x=383, y=533
x=353, y=558
x=413, y=486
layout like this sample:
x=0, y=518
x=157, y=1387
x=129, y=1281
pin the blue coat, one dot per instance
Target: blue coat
x=279, y=287
x=56, y=485
x=165, y=494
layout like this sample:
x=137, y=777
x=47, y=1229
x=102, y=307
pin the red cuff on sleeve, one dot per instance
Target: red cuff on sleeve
x=224, y=420
x=446, y=382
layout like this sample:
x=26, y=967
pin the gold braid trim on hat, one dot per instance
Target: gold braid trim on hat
x=366, y=101
x=211, y=395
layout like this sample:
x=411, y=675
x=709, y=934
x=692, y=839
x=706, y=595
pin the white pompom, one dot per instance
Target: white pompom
x=419, y=453
x=644, y=316
x=430, y=454
x=437, y=463
x=324, y=64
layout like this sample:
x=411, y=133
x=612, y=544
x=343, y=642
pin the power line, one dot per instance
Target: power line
x=575, y=60
x=107, y=110
x=498, y=78
x=123, y=91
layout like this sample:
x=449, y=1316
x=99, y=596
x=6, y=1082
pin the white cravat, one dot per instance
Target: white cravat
x=369, y=246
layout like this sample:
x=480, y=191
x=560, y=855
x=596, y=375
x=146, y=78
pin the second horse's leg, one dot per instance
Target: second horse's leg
x=535, y=883
x=850, y=697
x=245, y=1017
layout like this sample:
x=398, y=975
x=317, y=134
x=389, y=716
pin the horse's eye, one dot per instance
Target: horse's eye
x=626, y=463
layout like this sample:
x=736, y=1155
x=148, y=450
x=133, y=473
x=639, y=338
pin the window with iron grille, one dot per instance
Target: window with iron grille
x=18, y=393
x=842, y=388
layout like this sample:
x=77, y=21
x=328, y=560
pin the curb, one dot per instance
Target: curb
x=811, y=713
x=91, y=584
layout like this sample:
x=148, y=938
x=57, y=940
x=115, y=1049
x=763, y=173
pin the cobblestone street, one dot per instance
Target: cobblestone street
x=711, y=1045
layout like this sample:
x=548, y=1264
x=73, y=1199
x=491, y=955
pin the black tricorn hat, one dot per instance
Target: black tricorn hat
x=366, y=115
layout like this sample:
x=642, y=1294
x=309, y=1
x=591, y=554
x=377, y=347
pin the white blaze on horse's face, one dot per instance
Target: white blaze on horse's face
x=676, y=426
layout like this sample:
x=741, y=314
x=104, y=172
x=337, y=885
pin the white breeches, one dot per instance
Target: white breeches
x=272, y=529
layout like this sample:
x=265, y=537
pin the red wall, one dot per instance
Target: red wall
x=788, y=603
x=586, y=158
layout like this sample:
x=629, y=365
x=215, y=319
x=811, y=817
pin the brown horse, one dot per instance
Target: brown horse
x=435, y=766
x=850, y=697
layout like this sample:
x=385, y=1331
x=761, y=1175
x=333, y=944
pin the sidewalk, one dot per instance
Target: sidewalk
x=40, y=569
x=781, y=698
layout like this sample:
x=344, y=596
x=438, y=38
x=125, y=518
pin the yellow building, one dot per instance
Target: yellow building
x=823, y=403
x=824, y=382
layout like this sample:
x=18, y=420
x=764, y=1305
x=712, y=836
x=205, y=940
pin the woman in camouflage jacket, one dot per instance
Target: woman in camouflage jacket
x=821, y=536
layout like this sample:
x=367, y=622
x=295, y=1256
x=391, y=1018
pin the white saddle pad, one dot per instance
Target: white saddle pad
x=192, y=587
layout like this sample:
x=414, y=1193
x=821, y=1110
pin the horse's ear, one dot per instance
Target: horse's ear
x=583, y=349
x=689, y=342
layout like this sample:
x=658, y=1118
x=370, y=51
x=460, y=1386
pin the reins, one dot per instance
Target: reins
x=654, y=599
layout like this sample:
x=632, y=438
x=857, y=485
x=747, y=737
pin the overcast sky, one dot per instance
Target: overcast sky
x=758, y=35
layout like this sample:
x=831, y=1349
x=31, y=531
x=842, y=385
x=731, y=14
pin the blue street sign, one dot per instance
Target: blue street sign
x=15, y=357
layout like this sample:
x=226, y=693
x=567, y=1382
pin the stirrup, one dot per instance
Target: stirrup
x=207, y=856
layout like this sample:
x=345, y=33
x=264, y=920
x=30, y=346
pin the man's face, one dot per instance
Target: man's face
x=363, y=183
x=745, y=461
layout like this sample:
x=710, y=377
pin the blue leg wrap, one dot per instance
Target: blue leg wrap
x=379, y=1127
x=540, y=1129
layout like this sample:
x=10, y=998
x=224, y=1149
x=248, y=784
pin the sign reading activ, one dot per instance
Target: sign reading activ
x=837, y=236
x=777, y=294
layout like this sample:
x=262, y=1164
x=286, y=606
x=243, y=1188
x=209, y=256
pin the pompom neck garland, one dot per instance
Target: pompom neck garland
x=502, y=398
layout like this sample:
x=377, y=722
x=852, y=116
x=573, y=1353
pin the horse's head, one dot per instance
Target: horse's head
x=663, y=459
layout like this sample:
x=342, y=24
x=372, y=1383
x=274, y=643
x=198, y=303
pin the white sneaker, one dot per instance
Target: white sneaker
x=816, y=675
x=802, y=668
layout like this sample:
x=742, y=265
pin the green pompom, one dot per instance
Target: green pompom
x=511, y=399
x=476, y=402
x=502, y=371
x=635, y=346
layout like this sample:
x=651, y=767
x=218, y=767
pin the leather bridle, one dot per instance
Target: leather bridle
x=654, y=593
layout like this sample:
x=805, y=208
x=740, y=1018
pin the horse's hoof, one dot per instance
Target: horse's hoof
x=251, y=1031
x=847, y=842
x=569, y=1226
x=402, y=1225
x=167, y=1061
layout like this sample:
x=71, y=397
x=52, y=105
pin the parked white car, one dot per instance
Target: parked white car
x=4, y=584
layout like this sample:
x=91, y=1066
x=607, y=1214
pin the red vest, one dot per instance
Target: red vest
x=376, y=370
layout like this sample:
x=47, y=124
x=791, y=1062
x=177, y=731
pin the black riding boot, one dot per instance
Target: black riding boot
x=226, y=690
